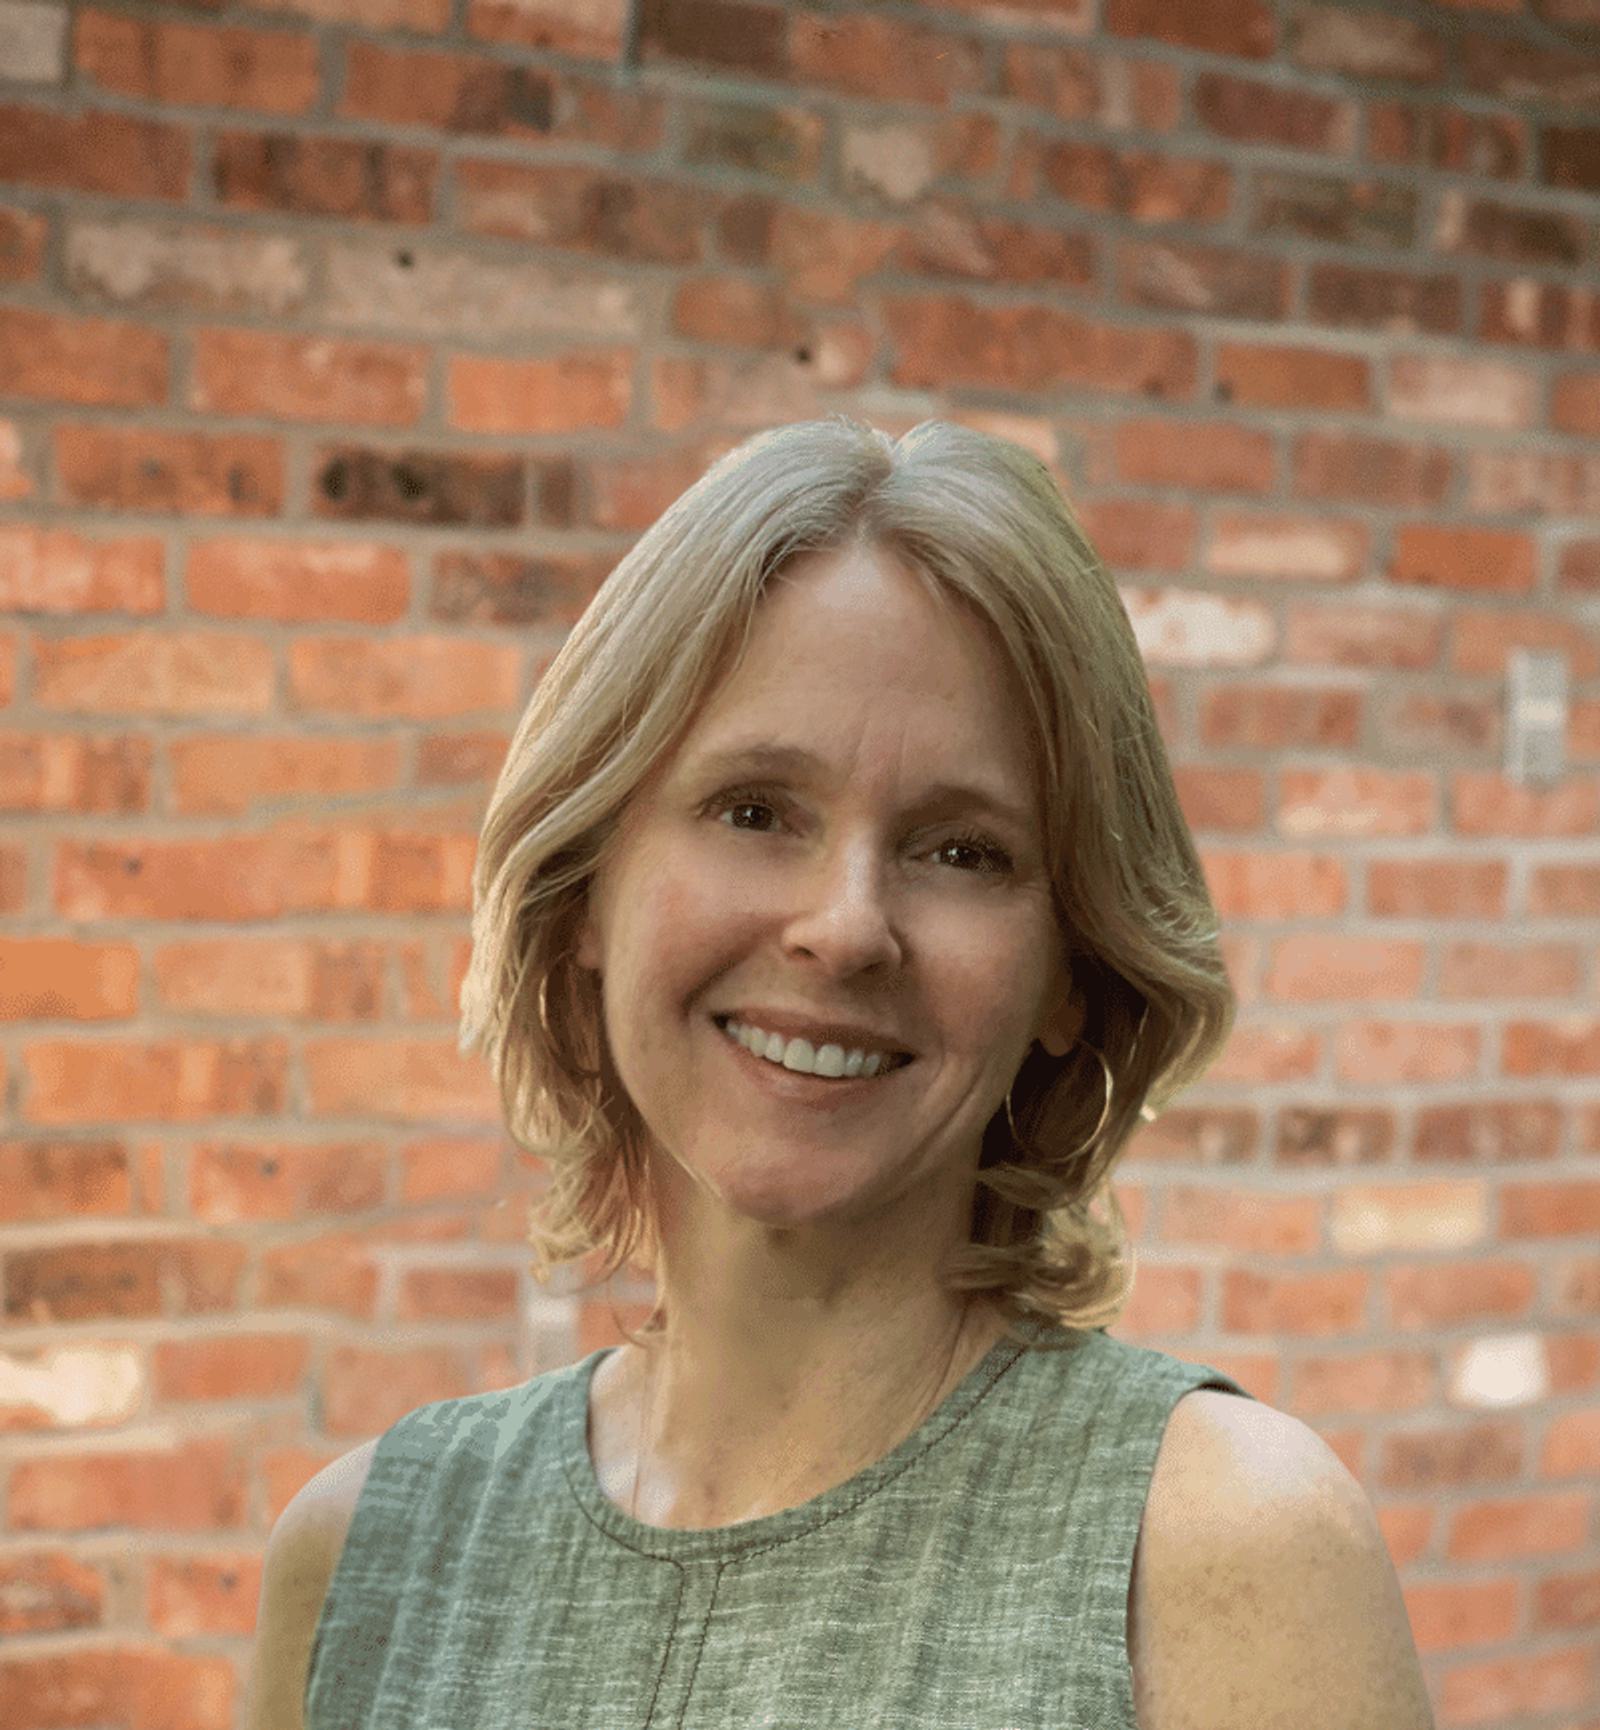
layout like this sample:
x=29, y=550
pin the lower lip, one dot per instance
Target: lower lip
x=807, y=1089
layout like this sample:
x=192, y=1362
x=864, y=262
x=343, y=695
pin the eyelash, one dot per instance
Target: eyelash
x=1000, y=861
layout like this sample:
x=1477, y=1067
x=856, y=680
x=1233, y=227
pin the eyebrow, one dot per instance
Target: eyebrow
x=795, y=761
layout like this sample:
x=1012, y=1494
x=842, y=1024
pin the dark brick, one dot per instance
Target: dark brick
x=419, y=486
x=325, y=176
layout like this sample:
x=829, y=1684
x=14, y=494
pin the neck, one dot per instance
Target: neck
x=744, y=1420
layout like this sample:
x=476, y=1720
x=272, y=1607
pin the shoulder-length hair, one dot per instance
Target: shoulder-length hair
x=982, y=521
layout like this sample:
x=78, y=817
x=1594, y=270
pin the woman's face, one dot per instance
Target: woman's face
x=845, y=891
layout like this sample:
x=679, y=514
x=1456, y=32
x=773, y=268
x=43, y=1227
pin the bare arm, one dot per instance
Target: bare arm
x=302, y=1553
x=1268, y=1593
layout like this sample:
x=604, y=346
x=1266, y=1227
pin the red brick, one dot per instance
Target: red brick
x=410, y=1080
x=1564, y=891
x=1499, y=1530
x=1372, y=1052
x=1473, y=971
x=195, y=1486
x=1549, y=1210
x=297, y=582
x=1283, y=375
x=1431, y=1298
x=49, y=1592
x=82, y=1281
x=1372, y=470
x=95, y=152
x=217, y=1593
x=1310, y=968
x=174, y=672
x=564, y=393
x=513, y=589
x=410, y=677
x=1487, y=1133
x=1366, y=45
x=48, y=570
x=284, y=377
x=365, y=1390
x=1067, y=82
x=63, y=979
x=1437, y=888
x=1362, y=297
x=1327, y=208
x=1313, y=1305
x=585, y=209
x=1250, y=111
x=1280, y=885
x=1279, y=718
x=238, y=1183
x=883, y=59
x=1553, y=315
x=424, y=17
x=1198, y=456
x=1489, y=803
x=1139, y=184
x=1352, y=635
x=1575, y=403
x=1473, y=560
x=1141, y=534
x=182, y=473
x=1492, y=228
x=348, y=177
x=1462, y=391
x=106, y=362
x=1357, y=801
x=1485, y=636
x=1268, y=1053
x=42, y=1180
x=74, y=772
x=1242, y=29
x=464, y=93
x=22, y=242
x=172, y=1080
x=948, y=340
x=236, y=774
x=233, y=1366
x=593, y=29
x=1450, y=1456
x=1446, y=1617
x=1498, y=1690
x=1334, y=1137
x=456, y=1294
x=1250, y=1222
x=125, y=1684
x=1426, y=725
x=1571, y=157
x=1424, y=135
x=1229, y=282
x=1380, y=1382
x=183, y=64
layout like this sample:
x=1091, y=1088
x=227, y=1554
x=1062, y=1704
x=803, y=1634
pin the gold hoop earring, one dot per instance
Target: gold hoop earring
x=1105, y=1110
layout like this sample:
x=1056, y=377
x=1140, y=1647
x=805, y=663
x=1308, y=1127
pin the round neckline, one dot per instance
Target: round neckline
x=688, y=1543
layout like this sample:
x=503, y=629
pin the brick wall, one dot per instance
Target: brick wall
x=345, y=345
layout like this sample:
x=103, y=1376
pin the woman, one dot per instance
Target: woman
x=835, y=924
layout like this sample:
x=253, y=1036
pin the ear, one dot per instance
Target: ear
x=1059, y=1032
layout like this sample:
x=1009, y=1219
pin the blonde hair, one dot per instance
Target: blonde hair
x=982, y=522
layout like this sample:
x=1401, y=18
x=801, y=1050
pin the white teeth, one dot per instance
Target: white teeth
x=804, y=1059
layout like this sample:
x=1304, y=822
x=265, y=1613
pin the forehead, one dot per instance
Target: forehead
x=856, y=658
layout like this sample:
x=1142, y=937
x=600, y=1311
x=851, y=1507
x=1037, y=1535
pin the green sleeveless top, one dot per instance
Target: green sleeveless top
x=974, y=1578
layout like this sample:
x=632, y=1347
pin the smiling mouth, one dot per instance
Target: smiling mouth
x=897, y=1061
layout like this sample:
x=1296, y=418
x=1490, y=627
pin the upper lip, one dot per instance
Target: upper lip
x=819, y=1030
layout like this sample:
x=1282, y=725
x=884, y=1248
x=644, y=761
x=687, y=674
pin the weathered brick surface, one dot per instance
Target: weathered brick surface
x=345, y=345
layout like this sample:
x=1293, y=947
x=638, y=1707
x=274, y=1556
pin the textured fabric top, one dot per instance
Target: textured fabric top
x=974, y=1578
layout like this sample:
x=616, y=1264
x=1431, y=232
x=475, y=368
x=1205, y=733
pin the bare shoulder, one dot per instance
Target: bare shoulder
x=1263, y=1592
x=302, y=1552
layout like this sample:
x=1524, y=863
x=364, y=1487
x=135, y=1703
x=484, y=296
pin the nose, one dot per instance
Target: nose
x=840, y=914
